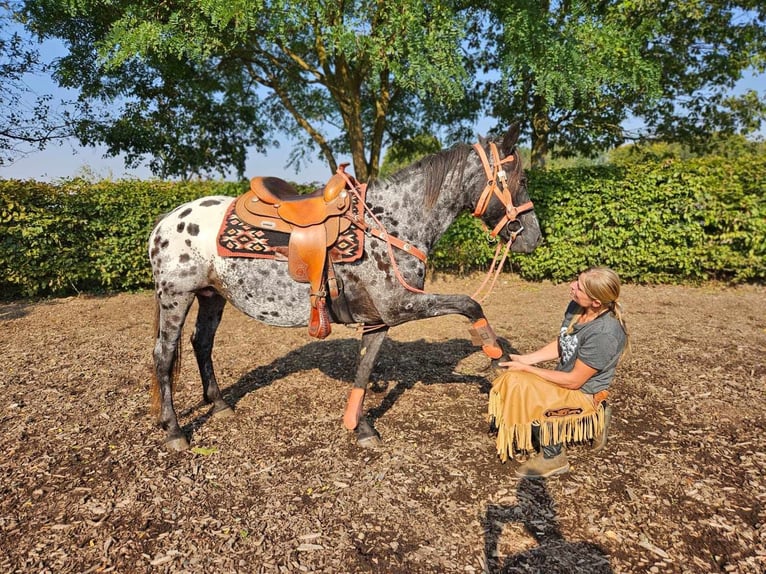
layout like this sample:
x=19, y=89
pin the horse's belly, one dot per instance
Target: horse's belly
x=263, y=290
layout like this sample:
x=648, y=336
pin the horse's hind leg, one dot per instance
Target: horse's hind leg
x=208, y=318
x=171, y=314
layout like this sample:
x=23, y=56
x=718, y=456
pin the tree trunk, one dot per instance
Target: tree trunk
x=346, y=92
x=540, y=133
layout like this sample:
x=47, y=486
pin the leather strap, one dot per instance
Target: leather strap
x=382, y=235
x=494, y=173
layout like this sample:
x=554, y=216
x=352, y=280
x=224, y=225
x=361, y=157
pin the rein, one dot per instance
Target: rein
x=380, y=232
x=495, y=173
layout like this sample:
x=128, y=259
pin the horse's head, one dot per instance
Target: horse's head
x=504, y=204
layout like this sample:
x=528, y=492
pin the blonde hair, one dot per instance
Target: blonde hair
x=603, y=284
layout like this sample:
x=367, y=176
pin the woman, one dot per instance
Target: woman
x=565, y=404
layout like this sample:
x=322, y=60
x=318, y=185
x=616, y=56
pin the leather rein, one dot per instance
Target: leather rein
x=497, y=185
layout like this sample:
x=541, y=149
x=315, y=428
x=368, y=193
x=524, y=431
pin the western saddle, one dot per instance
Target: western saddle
x=313, y=222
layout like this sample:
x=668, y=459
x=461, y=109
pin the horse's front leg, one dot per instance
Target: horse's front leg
x=366, y=435
x=415, y=306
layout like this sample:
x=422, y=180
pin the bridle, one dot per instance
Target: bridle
x=497, y=185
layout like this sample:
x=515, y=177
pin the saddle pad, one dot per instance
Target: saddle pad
x=239, y=239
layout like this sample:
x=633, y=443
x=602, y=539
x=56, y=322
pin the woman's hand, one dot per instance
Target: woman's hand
x=515, y=364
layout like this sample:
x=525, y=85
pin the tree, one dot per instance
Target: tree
x=192, y=85
x=575, y=70
x=220, y=75
x=26, y=121
x=402, y=153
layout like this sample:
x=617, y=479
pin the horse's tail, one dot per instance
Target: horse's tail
x=156, y=395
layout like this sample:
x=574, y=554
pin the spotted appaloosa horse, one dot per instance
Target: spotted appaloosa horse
x=417, y=204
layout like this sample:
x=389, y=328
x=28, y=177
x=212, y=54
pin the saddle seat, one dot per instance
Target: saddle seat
x=302, y=210
x=313, y=222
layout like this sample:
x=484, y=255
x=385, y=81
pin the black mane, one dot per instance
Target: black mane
x=435, y=169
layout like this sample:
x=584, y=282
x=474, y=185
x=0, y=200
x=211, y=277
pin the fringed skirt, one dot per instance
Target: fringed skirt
x=520, y=400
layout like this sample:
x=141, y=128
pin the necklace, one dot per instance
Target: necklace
x=585, y=319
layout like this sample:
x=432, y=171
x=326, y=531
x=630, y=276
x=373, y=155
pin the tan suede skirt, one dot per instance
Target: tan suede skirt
x=519, y=400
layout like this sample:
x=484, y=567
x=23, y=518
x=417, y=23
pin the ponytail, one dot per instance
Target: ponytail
x=603, y=284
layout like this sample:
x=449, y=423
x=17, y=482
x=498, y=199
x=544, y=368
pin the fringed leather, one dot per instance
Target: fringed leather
x=519, y=401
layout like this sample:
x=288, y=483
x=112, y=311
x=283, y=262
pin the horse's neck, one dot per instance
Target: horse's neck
x=403, y=210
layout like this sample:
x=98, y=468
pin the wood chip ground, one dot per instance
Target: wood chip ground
x=86, y=485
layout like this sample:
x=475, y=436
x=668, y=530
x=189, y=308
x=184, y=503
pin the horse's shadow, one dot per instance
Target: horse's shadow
x=407, y=363
x=553, y=554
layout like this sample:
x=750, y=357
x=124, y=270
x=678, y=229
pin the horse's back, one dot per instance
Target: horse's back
x=194, y=220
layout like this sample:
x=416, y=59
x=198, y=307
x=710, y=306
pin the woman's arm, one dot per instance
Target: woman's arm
x=546, y=353
x=572, y=380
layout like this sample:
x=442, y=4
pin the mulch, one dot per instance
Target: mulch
x=281, y=487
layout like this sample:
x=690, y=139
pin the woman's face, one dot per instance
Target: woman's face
x=579, y=296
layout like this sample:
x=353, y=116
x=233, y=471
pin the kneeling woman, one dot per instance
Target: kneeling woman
x=553, y=406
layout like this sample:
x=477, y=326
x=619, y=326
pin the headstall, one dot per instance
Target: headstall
x=497, y=185
x=496, y=173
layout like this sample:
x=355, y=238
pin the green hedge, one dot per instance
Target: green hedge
x=78, y=236
x=674, y=222
x=669, y=222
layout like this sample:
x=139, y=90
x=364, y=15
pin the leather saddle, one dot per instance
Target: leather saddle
x=313, y=222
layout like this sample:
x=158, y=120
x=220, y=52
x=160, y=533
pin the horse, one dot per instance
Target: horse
x=382, y=289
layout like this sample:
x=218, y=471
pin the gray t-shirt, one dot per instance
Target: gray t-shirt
x=598, y=344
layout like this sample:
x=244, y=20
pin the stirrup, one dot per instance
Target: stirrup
x=319, y=320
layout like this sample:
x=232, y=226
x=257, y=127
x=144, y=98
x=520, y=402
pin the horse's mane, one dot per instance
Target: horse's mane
x=435, y=169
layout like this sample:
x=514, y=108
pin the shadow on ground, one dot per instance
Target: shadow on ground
x=553, y=553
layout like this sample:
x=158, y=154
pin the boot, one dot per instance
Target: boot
x=541, y=467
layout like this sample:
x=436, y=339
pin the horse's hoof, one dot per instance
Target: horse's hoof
x=369, y=442
x=366, y=435
x=178, y=444
x=224, y=412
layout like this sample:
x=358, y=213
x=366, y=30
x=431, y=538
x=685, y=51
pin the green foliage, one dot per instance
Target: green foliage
x=465, y=246
x=672, y=222
x=731, y=147
x=78, y=236
x=28, y=120
x=573, y=72
x=40, y=233
x=191, y=86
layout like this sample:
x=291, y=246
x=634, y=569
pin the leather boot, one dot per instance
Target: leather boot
x=541, y=467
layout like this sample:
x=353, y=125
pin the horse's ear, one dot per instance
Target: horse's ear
x=510, y=138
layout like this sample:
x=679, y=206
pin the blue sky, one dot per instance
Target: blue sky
x=69, y=159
